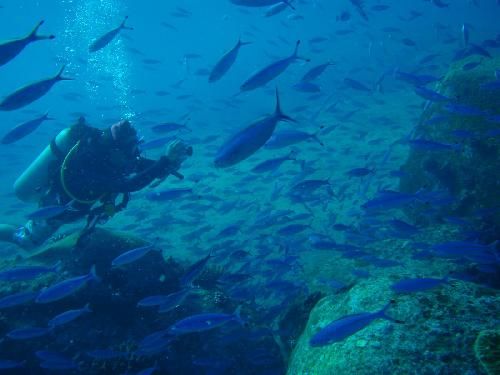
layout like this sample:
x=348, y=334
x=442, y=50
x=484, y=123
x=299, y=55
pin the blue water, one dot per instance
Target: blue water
x=360, y=121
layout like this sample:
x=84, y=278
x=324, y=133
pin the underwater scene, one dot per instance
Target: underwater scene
x=268, y=187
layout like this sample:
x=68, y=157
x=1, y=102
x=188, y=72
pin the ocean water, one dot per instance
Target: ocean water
x=384, y=173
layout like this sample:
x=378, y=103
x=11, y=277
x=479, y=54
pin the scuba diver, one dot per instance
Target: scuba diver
x=81, y=174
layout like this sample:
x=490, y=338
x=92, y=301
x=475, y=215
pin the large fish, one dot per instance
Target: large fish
x=11, y=48
x=22, y=130
x=226, y=62
x=105, y=39
x=31, y=92
x=247, y=141
x=270, y=72
x=255, y=3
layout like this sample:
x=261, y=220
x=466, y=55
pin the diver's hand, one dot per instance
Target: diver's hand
x=177, y=153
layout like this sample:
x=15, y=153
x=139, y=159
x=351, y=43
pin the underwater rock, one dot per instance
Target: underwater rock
x=469, y=122
x=487, y=349
x=438, y=330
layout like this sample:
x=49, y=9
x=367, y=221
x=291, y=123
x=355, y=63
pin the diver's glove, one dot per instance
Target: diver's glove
x=177, y=153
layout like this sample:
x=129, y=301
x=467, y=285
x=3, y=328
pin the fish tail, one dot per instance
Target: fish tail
x=279, y=113
x=296, y=53
x=60, y=77
x=242, y=43
x=34, y=36
x=123, y=26
x=289, y=3
x=382, y=313
x=87, y=308
x=57, y=267
x=237, y=315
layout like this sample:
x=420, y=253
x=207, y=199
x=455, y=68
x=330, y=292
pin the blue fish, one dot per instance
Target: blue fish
x=17, y=299
x=279, y=7
x=315, y=72
x=12, y=48
x=27, y=333
x=417, y=285
x=307, y=87
x=417, y=80
x=250, y=139
x=430, y=94
x=132, y=255
x=287, y=138
x=104, y=354
x=50, y=212
x=23, y=273
x=24, y=129
x=156, y=143
x=255, y=3
x=272, y=165
x=342, y=328
x=168, y=195
x=9, y=364
x=428, y=145
x=194, y=271
x=356, y=85
x=204, y=322
x=31, y=92
x=68, y=316
x=105, y=39
x=270, y=72
x=226, y=62
x=167, y=127
x=360, y=172
x=66, y=287
x=59, y=365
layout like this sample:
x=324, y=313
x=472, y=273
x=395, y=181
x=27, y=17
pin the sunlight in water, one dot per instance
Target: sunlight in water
x=106, y=73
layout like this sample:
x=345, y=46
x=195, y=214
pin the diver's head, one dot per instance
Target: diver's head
x=125, y=136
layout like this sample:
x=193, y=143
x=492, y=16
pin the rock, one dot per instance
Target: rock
x=471, y=173
x=439, y=329
x=487, y=350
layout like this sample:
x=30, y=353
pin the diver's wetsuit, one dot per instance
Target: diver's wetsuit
x=97, y=169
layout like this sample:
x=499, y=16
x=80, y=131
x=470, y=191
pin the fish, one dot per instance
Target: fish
x=431, y=95
x=11, y=48
x=10, y=364
x=23, y=273
x=156, y=143
x=278, y=8
x=173, y=300
x=315, y=72
x=342, y=328
x=250, y=139
x=287, y=138
x=270, y=72
x=465, y=34
x=414, y=79
x=104, y=354
x=194, y=271
x=272, y=165
x=68, y=316
x=65, y=288
x=166, y=127
x=429, y=145
x=204, y=322
x=50, y=212
x=360, y=172
x=255, y=3
x=168, y=195
x=132, y=255
x=24, y=129
x=105, y=39
x=417, y=285
x=359, y=5
x=27, y=333
x=226, y=62
x=31, y=92
x=306, y=86
x=356, y=85
x=17, y=299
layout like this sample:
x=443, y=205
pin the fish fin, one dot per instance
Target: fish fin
x=242, y=43
x=315, y=136
x=34, y=36
x=60, y=77
x=382, y=313
x=289, y=3
x=296, y=56
x=125, y=27
x=237, y=316
x=279, y=113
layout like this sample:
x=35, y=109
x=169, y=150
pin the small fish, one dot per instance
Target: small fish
x=417, y=285
x=11, y=48
x=342, y=328
x=278, y=8
x=194, y=271
x=167, y=127
x=255, y=3
x=360, y=172
x=50, y=212
x=17, y=299
x=226, y=62
x=315, y=72
x=428, y=145
x=307, y=87
x=250, y=139
x=31, y=92
x=430, y=95
x=292, y=229
x=360, y=7
x=287, y=138
x=105, y=39
x=9, y=364
x=173, y=300
x=168, y=195
x=68, y=316
x=24, y=129
x=471, y=65
x=356, y=85
x=66, y=287
x=23, y=273
x=204, y=322
x=27, y=333
x=272, y=165
x=417, y=80
x=156, y=143
x=132, y=255
x=465, y=34
x=463, y=110
x=270, y=72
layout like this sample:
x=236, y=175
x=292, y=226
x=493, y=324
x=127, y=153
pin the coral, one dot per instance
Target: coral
x=487, y=350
